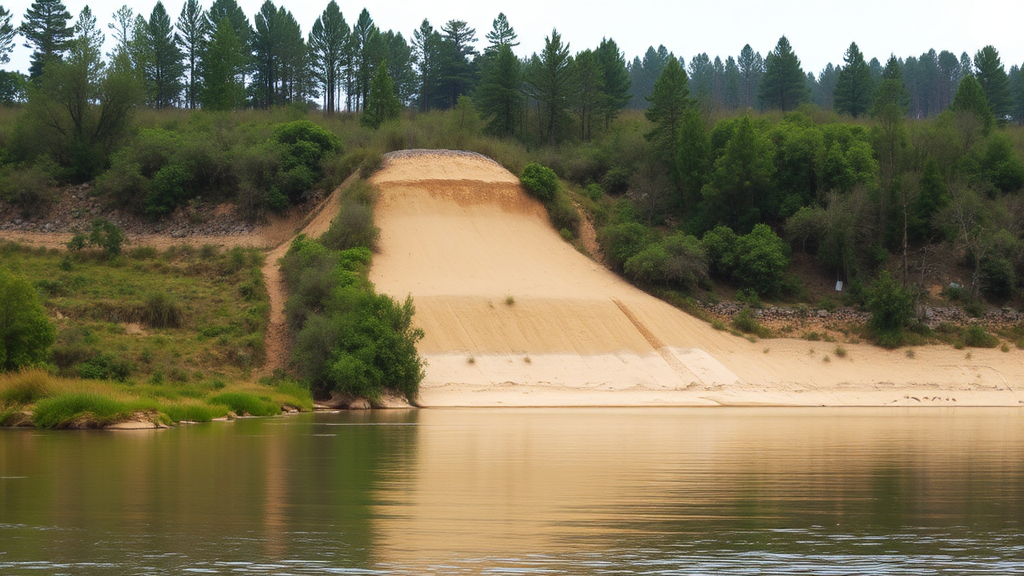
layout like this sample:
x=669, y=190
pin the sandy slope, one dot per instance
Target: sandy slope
x=515, y=316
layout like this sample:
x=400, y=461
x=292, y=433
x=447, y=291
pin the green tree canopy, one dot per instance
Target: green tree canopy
x=26, y=334
x=854, y=86
x=46, y=31
x=970, y=101
x=382, y=105
x=669, y=102
x=222, y=66
x=194, y=29
x=6, y=36
x=549, y=78
x=784, y=84
x=327, y=41
x=500, y=92
x=993, y=80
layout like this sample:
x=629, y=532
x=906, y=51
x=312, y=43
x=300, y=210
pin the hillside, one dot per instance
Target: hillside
x=515, y=316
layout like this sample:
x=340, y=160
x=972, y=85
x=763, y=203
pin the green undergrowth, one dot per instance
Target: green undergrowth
x=178, y=316
x=45, y=400
x=348, y=338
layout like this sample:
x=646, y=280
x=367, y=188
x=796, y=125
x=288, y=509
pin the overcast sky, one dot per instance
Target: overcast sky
x=819, y=30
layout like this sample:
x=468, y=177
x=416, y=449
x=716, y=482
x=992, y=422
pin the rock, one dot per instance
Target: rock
x=359, y=404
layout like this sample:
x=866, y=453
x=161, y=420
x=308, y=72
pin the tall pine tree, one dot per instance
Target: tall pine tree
x=784, y=85
x=193, y=33
x=669, y=102
x=46, y=31
x=854, y=87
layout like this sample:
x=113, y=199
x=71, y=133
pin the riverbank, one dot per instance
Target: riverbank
x=516, y=316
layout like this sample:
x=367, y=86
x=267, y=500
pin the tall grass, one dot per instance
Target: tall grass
x=56, y=402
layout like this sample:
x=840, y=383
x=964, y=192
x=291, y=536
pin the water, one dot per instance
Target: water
x=546, y=491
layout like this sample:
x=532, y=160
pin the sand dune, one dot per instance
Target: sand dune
x=515, y=316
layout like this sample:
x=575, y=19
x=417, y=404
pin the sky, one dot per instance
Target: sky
x=820, y=31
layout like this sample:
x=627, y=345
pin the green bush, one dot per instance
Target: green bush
x=746, y=322
x=171, y=186
x=540, y=181
x=760, y=260
x=563, y=214
x=30, y=188
x=892, y=310
x=161, y=311
x=975, y=336
x=353, y=227
x=26, y=333
x=620, y=242
x=105, y=367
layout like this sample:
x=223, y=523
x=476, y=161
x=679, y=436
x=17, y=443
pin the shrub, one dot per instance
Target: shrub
x=29, y=188
x=621, y=242
x=975, y=336
x=563, y=214
x=105, y=367
x=760, y=260
x=170, y=187
x=26, y=333
x=161, y=311
x=353, y=227
x=747, y=323
x=892, y=310
x=540, y=181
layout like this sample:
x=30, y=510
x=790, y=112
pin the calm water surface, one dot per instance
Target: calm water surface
x=573, y=491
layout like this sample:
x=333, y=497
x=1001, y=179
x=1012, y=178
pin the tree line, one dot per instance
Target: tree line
x=218, y=58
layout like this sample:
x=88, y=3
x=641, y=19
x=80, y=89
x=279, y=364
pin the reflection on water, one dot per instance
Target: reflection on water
x=889, y=491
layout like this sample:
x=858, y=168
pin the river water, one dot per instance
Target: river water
x=548, y=491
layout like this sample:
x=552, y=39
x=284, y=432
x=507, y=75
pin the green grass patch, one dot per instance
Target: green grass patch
x=82, y=409
x=172, y=312
x=247, y=403
x=746, y=322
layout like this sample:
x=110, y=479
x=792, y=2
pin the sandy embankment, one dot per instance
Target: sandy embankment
x=514, y=316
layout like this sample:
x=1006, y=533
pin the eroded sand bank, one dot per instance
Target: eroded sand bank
x=515, y=316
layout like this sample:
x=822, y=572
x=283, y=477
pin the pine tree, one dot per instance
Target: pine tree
x=327, y=47
x=6, y=36
x=400, y=66
x=854, y=88
x=549, y=79
x=46, y=31
x=382, y=104
x=751, y=67
x=501, y=34
x=164, y=70
x=615, y=91
x=500, y=94
x=458, y=73
x=784, y=85
x=669, y=102
x=970, y=99
x=123, y=20
x=994, y=81
x=428, y=47
x=222, y=67
x=193, y=28
x=589, y=79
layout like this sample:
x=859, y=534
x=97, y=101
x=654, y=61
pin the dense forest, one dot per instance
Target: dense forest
x=691, y=171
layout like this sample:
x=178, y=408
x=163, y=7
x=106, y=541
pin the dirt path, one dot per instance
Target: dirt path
x=274, y=237
x=277, y=335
